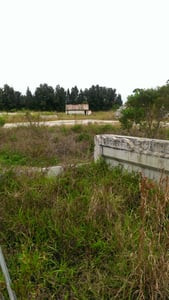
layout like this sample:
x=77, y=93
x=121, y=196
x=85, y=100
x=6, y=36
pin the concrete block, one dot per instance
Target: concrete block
x=148, y=156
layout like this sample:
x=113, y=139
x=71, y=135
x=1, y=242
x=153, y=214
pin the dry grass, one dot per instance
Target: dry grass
x=45, y=146
x=51, y=116
x=38, y=145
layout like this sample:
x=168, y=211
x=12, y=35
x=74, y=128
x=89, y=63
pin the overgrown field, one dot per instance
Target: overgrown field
x=91, y=233
x=46, y=146
x=43, y=146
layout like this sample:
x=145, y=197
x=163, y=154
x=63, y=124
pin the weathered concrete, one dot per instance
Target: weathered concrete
x=148, y=156
x=47, y=171
x=51, y=171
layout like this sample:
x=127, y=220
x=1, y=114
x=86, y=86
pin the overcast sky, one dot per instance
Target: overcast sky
x=121, y=44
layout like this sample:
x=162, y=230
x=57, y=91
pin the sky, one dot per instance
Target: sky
x=122, y=44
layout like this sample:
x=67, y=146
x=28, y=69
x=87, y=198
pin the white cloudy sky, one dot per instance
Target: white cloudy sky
x=121, y=44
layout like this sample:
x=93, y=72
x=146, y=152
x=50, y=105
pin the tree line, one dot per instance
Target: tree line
x=46, y=98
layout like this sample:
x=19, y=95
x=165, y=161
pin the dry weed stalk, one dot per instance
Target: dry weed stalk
x=102, y=206
x=153, y=258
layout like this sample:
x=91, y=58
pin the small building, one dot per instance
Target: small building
x=82, y=109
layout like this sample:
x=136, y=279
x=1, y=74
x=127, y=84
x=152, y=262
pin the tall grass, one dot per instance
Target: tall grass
x=42, y=146
x=91, y=233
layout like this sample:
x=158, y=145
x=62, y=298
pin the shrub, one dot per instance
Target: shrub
x=2, y=121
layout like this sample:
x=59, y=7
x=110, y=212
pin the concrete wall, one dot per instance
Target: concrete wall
x=149, y=156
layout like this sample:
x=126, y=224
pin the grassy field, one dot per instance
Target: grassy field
x=44, y=146
x=91, y=233
x=26, y=116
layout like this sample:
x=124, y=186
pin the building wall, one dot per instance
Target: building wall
x=82, y=109
x=77, y=107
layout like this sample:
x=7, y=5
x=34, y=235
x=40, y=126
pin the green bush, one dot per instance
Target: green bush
x=2, y=121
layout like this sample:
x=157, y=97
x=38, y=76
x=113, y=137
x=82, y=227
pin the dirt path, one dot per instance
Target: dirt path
x=61, y=122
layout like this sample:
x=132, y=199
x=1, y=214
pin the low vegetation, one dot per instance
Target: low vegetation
x=43, y=146
x=91, y=233
x=30, y=116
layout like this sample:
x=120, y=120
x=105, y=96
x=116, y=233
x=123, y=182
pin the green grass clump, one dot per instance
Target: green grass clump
x=91, y=233
x=8, y=158
x=2, y=121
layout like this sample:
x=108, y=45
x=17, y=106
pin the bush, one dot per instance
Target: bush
x=2, y=121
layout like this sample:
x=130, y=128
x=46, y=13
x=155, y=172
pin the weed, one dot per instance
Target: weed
x=83, y=137
x=8, y=158
x=2, y=121
x=77, y=128
x=91, y=233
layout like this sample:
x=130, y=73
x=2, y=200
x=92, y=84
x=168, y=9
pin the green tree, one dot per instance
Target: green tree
x=28, y=100
x=74, y=95
x=118, y=101
x=9, y=98
x=1, y=99
x=102, y=98
x=59, y=99
x=81, y=97
x=44, y=97
x=147, y=108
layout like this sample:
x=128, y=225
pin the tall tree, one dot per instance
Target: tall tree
x=10, y=98
x=44, y=97
x=118, y=101
x=1, y=99
x=59, y=99
x=81, y=97
x=101, y=98
x=28, y=100
x=74, y=95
